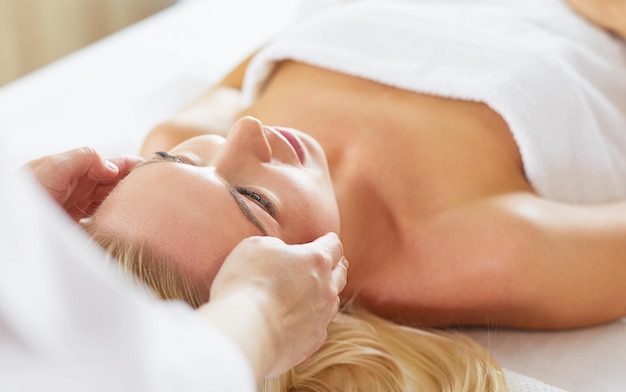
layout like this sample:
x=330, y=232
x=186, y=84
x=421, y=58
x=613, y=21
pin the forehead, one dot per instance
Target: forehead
x=187, y=214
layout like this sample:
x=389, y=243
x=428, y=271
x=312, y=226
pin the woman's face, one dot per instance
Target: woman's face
x=198, y=200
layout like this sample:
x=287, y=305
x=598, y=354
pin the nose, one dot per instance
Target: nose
x=246, y=143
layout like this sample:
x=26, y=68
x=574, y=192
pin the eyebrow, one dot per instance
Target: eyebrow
x=243, y=206
x=148, y=161
x=241, y=202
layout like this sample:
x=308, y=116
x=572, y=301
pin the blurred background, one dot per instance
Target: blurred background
x=34, y=33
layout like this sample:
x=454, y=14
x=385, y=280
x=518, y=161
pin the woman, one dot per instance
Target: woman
x=362, y=351
x=266, y=281
x=463, y=197
x=279, y=310
x=280, y=293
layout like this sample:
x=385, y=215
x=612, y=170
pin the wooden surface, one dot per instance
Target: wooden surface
x=34, y=33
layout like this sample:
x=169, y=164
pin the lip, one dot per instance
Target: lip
x=294, y=142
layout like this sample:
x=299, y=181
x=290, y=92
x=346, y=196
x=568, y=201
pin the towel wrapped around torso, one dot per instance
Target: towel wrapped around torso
x=558, y=82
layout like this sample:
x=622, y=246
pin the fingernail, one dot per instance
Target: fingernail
x=345, y=262
x=112, y=166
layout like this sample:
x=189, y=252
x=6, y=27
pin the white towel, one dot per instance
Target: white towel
x=520, y=383
x=559, y=82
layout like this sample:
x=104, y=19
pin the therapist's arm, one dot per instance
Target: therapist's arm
x=276, y=300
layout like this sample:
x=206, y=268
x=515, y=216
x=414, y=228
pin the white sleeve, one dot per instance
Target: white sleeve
x=68, y=322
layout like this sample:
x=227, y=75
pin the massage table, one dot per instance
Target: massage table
x=109, y=94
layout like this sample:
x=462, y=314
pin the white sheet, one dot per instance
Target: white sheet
x=583, y=360
x=109, y=94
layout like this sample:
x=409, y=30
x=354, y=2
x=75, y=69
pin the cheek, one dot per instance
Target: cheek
x=315, y=212
x=204, y=241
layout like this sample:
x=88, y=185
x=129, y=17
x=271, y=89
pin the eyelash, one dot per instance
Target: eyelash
x=169, y=157
x=257, y=199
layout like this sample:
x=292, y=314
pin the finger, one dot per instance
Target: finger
x=84, y=161
x=120, y=167
x=125, y=163
x=340, y=274
x=103, y=170
x=329, y=243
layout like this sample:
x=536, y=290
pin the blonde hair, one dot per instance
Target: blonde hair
x=363, y=352
x=367, y=353
x=150, y=267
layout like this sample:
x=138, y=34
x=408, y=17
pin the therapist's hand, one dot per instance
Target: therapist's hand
x=78, y=180
x=292, y=292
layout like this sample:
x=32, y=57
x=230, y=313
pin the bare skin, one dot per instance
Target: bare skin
x=437, y=218
x=607, y=14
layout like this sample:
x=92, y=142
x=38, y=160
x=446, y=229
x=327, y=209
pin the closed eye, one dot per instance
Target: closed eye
x=257, y=198
x=168, y=157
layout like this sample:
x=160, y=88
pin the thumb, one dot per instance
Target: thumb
x=329, y=244
x=72, y=164
x=88, y=162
